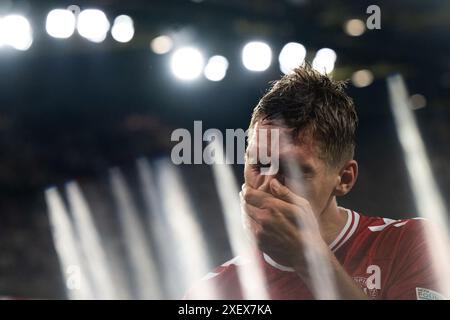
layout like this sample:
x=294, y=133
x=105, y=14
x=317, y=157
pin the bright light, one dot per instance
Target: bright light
x=187, y=63
x=324, y=60
x=354, y=27
x=123, y=29
x=216, y=68
x=291, y=56
x=256, y=56
x=362, y=78
x=93, y=25
x=2, y=33
x=162, y=44
x=60, y=23
x=15, y=31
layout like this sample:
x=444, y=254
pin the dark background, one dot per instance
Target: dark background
x=71, y=109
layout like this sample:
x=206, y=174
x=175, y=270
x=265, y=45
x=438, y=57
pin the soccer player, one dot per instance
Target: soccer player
x=369, y=257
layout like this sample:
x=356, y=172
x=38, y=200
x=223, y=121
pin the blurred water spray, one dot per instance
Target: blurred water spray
x=428, y=199
x=323, y=285
x=163, y=240
x=250, y=273
x=95, y=256
x=141, y=259
x=78, y=285
x=192, y=254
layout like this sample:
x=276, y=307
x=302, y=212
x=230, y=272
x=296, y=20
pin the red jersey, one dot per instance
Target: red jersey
x=387, y=258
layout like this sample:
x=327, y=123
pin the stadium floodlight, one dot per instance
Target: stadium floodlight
x=60, y=23
x=216, y=68
x=362, y=78
x=257, y=56
x=291, y=56
x=162, y=44
x=354, y=27
x=187, y=63
x=93, y=25
x=16, y=32
x=324, y=60
x=123, y=29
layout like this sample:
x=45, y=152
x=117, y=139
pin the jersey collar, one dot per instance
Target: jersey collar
x=347, y=231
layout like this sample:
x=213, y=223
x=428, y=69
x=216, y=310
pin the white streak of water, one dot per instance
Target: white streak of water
x=96, y=260
x=192, y=248
x=251, y=276
x=64, y=238
x=427, y=196
x=141, y=259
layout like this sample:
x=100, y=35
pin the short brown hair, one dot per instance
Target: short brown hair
x=307, y=99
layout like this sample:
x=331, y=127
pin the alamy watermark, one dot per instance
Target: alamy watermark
x=374, y=20
x=263, y=147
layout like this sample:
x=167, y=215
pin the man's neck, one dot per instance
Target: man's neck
x=331, y=221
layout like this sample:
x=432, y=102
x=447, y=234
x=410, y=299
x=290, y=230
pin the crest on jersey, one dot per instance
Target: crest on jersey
x=371, y=284
x=362, y=282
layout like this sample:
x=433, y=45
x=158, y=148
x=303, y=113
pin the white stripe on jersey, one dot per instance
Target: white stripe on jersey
x=210, y=275
x=238, y=260
x=351, y=223
x=387, y=222
x=352, y=231
x=276, y=265
x=344, y=230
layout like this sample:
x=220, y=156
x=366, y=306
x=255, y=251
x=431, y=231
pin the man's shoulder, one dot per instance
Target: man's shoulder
x=221, y=280
x=390, y=234
x=226, y=267
x=380, y=225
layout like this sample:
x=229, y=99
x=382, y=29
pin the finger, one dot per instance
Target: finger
x=248, y=222
x=262, y=217
x=271, y=219
x=305, y=214
x=255, y=197
x=265, y=187
x=271, y=204
x=266, y=231
x=256, y=214
x=284, y=193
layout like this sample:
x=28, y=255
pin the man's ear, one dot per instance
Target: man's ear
x=347, y=178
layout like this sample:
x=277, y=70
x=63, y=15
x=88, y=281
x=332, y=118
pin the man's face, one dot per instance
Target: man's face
x=300, y=167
